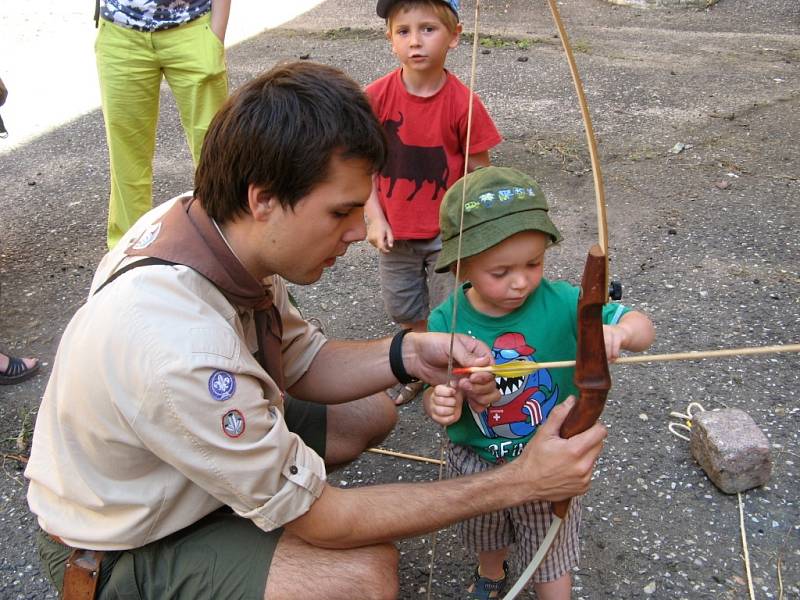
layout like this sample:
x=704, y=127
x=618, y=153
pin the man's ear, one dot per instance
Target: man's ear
x=261, y=203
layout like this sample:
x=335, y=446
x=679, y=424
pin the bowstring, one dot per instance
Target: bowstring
x=443, y=434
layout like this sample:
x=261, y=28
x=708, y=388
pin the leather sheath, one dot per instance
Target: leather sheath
x=81, y=574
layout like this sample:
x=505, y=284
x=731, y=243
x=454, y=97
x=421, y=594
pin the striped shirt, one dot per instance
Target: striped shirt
x=153, y=15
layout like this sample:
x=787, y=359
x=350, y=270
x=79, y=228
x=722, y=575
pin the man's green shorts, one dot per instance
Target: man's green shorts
x=220, y=556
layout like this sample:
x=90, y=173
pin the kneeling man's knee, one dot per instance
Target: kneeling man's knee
x=381, y=581
x=388, y=414
x=381, y=418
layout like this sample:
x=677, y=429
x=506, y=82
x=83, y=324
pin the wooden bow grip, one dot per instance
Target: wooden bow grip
x=591, y=366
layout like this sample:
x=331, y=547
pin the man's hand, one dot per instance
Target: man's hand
x=558, y=468
x=425, y=356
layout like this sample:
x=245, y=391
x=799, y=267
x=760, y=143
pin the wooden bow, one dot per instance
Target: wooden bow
x=591, y=365
x=591, y=375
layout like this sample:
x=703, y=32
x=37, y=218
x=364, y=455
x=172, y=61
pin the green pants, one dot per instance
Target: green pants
x=220, y=556
x=130, y=65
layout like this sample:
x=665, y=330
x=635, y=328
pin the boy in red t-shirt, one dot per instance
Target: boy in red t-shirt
x=423, y=109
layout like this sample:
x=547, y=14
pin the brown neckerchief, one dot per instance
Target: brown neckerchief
x=186, y=235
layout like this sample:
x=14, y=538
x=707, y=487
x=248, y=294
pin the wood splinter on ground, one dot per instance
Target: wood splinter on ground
x=17, y=457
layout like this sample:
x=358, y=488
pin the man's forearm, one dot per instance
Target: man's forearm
x=382, y=513
x=549, y=468
x=344, y=370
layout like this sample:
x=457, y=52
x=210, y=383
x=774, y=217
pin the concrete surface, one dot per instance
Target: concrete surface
x=704, y=240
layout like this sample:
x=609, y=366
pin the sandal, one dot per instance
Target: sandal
x=17, y=371
x=483, y=588
x=403, y=394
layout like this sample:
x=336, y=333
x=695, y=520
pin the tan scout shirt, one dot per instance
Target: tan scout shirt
x=157, y=413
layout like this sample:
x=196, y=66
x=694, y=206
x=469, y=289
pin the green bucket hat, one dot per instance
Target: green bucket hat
x=499, y=203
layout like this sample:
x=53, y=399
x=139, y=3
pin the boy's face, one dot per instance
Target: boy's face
x=505, y=275
x=420, y=39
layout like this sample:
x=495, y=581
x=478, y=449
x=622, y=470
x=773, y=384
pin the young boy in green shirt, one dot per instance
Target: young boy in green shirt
x=506, y=302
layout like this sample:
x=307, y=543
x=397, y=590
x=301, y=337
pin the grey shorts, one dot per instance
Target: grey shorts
x=409, y=285
x=220, y=556
x=523, y=526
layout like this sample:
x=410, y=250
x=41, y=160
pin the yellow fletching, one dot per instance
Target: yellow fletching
x=517, y=368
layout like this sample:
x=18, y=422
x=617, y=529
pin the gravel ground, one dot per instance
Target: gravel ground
x=704, y=240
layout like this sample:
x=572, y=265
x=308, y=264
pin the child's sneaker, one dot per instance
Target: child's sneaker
x=403, y=394
x=483, y=588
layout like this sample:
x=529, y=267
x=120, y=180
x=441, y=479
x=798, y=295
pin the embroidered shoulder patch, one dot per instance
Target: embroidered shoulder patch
x=148, y=236
x=221, y=385
x=233, y=423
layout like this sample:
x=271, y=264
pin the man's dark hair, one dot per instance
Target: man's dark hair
x=280, y=131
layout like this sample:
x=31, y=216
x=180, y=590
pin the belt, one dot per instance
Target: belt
x=81, y=572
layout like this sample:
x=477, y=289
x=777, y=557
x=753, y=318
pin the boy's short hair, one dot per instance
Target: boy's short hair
x=446, y=10
x=499, y=203
x=280, y=131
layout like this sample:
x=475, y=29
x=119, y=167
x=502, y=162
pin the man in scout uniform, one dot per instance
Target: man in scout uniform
x=168, y=460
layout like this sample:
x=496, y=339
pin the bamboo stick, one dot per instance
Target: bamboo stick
x=529, y=367
x=401, y=455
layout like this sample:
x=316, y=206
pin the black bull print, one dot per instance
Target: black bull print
x=415, y=163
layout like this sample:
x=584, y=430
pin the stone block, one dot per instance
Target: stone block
x=731, y=448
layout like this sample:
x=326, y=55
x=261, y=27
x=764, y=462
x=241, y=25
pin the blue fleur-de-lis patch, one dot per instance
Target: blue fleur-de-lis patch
x=233, y=423
x=221, y=385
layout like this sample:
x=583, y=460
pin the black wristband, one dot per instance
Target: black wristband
x=396, y=358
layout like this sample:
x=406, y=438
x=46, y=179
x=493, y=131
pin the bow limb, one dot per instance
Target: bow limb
x=591, y=366
x=541, y=552
x=597, y=174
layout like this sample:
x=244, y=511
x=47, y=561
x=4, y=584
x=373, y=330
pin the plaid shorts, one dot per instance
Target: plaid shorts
x=523, y=526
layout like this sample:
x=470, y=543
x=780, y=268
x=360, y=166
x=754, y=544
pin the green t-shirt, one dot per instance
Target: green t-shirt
x=543, y=329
